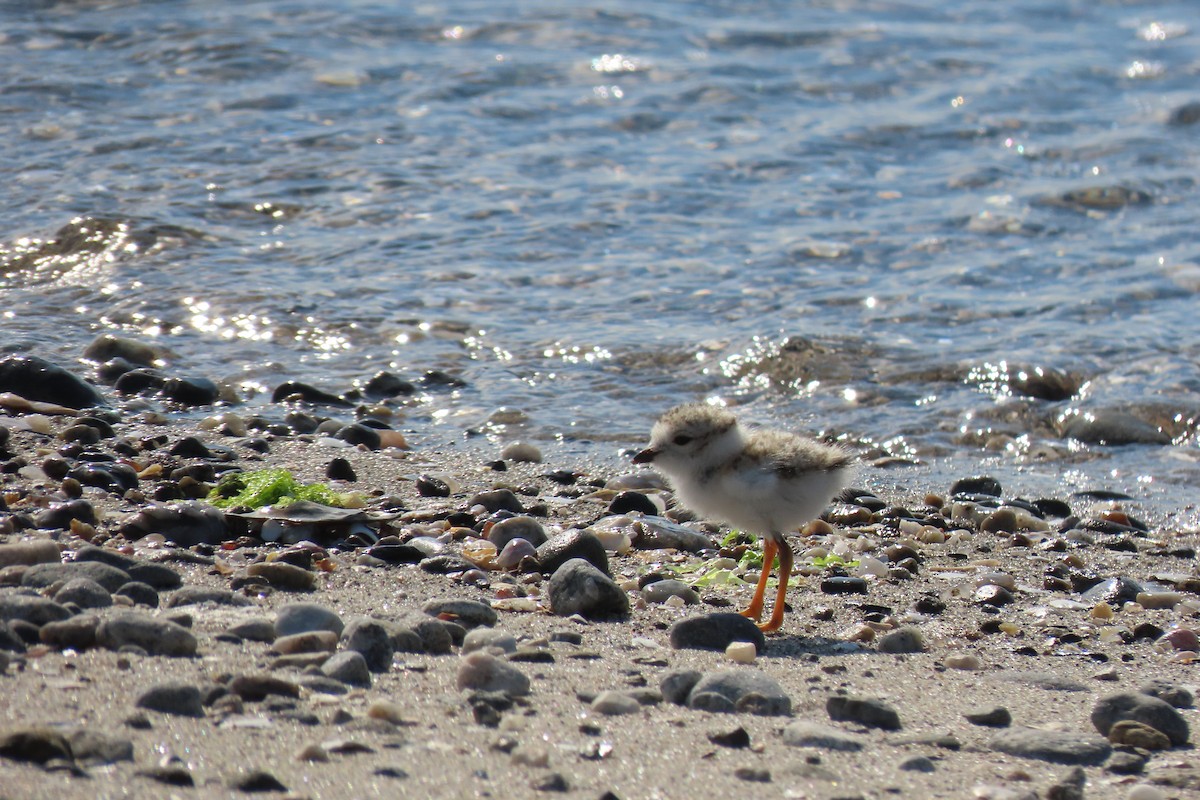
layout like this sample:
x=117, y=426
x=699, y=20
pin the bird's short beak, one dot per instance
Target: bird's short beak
x=646, y=456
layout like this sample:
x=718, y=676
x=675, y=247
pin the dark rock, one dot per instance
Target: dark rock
x=190, y=391
x=357, y=433
x=256, y=781
x=843, y=584
x=993, y=717
x=396, y=553
x=106, y=346
x=294, y=391
x=187, y=524
x=41, y=381
x=571, y=544
x=60, y=515
x=112, y=478
x=629, y=501
x=178, y=699
x=36, y=744
x=156, y=576
x=429, y=486
x=256, y=687
x=578, y=587
x=1108, y=427
x=169, y=774
x=982, y=484
x=339, y=469
x=143, y=380
x=715, y=632
x=499, y=500
x=869, y=711
x=1143, y=708
x=737, y=738
x=385, y=384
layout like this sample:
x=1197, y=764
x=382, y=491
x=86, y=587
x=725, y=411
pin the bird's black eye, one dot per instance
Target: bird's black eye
x=682, y=440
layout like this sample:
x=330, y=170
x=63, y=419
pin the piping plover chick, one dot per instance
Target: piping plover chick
x=763, y=481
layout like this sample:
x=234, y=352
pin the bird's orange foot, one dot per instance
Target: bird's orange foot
x=771, y=625
x=753, y=612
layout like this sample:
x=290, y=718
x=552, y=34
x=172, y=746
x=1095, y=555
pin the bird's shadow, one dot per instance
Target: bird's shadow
x=794, y=645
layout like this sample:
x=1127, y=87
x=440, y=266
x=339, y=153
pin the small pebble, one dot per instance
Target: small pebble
x=964, y=661
x=741, y=652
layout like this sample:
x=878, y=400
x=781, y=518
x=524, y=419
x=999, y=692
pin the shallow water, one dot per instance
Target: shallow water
x=865, y=219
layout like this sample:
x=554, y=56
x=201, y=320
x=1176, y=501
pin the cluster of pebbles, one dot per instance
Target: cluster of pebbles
x=510, y=628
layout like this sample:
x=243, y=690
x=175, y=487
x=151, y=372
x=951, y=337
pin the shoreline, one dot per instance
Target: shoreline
x=977, y=616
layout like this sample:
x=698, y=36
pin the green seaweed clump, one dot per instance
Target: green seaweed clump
x=273, y=487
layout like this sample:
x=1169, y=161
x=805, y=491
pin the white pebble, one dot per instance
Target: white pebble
x=1144, y=791
x=869, y=565
x=741, y=652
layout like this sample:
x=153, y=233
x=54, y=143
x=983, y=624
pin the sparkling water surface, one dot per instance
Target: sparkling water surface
x=941, y=232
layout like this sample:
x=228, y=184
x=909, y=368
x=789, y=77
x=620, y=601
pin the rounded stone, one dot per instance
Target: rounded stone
x=155, y=636
x=487, y=639
x=577, y=587
x=349, y=667
x=869, y=711
x=615, y=703
x=179, y=699
x=902, y=640
x=83, y=592
x=661, y=591
x=481, y=671
x=370, y=638
x=520, y=527
x=470, y=613
x=572, y=544
x=305, y=617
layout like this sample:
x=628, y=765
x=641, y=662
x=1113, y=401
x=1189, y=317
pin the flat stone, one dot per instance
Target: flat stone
x=661, y=591
x=155, y=636
x=35, y=551
x=255, y=687
x=804, y=733
x=615, y=703
x=258, y=629
x=481, y=671
x=77, y=633
x=870, y=711
x=992, y=716
x=1058, y=747
x=178, y=699
x=195, y=595
x=1137, y=734
x=488, y=638
x=470, y=613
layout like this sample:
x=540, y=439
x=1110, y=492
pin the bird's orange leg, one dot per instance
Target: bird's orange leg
x=755, y=609
x=785, y=572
